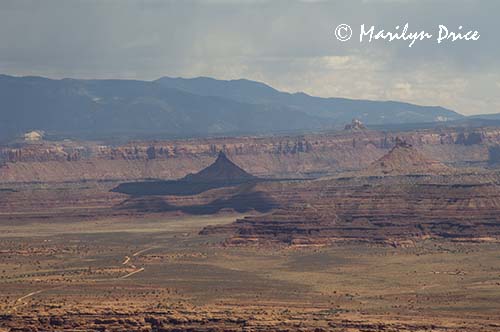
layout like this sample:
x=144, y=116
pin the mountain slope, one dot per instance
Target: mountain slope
x=340, y=109
x=167, y=108
x=106, y=108
x=492, y=116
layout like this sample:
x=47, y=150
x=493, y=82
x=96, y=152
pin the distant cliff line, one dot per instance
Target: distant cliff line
x=286, y=156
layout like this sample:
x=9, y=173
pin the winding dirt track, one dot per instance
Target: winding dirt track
x=142, y=251
x=132, y=273
x=126, y=261
x=29, y=295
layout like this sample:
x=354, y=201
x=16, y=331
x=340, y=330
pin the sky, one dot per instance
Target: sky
x=290, y=45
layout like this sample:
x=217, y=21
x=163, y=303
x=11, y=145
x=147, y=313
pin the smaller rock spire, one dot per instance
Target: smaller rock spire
x=355, y=125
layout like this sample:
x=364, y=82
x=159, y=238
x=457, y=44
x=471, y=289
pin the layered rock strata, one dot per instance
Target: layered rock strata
x=382, y=207
x=286, y=156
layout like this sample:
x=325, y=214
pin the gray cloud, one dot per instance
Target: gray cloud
x=288, y=44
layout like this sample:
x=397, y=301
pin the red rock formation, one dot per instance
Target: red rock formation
x=222, y=169
x=355, y=125
x=404, y=159
x=286, y=156
x=373, y=208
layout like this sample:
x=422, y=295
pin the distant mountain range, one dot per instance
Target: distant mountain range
x=494, y=116
x=340, y=110
x=177, y=107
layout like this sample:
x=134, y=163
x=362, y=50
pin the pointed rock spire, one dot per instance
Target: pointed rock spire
x=222, y=169
x=404, y=159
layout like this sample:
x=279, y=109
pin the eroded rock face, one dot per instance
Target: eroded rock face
x=218, y=319
x=417, y=199
x=404, y=159
x=289, y=156
x=469, y=138
x=494, y=155
x=222, y=169
x=355, y=125
x=277, y=156
x=221, y=173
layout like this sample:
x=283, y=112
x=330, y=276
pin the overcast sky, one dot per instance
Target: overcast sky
x=288, y=44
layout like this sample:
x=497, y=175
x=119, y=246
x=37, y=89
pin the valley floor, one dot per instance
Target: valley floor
x=154, y=272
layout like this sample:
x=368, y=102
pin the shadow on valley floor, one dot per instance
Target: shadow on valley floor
x=221, y=173
x=174, y=187
x=244, y=200
x=152, y=196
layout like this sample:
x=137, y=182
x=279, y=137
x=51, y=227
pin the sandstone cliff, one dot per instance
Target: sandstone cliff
x=286, y=156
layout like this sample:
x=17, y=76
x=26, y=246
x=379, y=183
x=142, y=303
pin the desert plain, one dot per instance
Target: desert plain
x=326, y=255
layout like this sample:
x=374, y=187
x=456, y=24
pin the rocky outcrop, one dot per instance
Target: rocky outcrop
x=404, y=159
x=222, y=169
x=267, y=156
x=494, y=155
x=420, y=199
x=221, y=173
x=355, y=125
x=218, y=319
x=286, y=156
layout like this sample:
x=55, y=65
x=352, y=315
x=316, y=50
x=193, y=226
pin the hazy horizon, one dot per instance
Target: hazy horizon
x=289, y=45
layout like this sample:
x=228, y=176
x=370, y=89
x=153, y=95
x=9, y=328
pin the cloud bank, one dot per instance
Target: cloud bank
x=287, y=44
